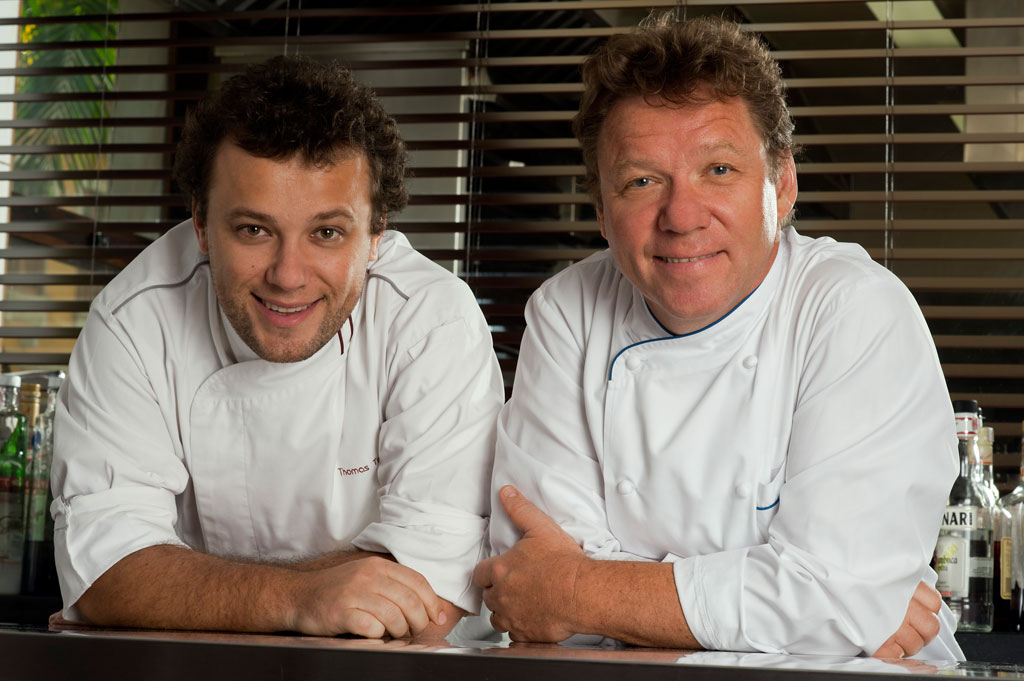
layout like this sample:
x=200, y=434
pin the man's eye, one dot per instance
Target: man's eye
x=640, y=182
x=720, y=170
x=250, y=230
x=328, y=233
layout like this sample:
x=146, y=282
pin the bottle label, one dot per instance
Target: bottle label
x=962, y=518
x=36, y=525
x=951, y=563
x=12, y=531
x=980, y=566
x=1006, y=568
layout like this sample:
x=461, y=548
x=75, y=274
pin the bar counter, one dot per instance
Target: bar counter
x=30, y=653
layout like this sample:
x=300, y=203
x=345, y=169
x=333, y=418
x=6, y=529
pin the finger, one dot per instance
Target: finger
x=924, y=622
x=909, y=640
x=409, y=606
x=498, y=623
x=432, y=603
x=524, y=514
x=927, y=596
x=890, y=649
x=362, y=623
x=483, y=573
x=388, y=613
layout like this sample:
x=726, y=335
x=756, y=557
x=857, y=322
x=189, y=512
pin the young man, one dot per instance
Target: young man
x=279, y=416
x=743, y=434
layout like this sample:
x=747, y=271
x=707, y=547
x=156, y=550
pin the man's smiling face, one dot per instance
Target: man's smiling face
x=289, y=244
x=688, y=206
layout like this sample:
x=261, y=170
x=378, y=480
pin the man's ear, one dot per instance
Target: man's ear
x=600, y=219
x=375, y=238
x=786, y=188
x=199, y=224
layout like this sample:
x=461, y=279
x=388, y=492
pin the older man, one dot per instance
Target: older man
x=743, y=433
x=279, y=416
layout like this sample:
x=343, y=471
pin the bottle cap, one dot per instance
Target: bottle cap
x=10, y=380
x=30, y=390
x=969, y=406
x=54, y=382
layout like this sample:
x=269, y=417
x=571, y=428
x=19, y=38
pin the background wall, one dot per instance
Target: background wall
x=911, y=113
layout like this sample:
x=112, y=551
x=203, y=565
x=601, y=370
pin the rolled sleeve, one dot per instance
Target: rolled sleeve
x=436, y=449
x=93, y=532
x=115, y=474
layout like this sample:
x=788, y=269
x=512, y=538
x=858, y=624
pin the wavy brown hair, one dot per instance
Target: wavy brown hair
x=668, y=60
x=294, y=105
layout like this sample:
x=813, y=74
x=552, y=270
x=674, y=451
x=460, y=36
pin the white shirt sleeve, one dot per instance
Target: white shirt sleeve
x=545, y=447
x=871, y=458
x=436, y=448
x=115, y=473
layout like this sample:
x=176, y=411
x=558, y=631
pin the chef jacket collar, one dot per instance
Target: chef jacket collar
x=641, y=324
x=338, y=343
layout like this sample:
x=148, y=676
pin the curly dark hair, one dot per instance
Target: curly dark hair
x=290, y=105
x=671, y=60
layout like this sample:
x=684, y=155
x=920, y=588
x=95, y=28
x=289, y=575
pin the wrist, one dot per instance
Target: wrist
x=287, y=599
x=580, y=615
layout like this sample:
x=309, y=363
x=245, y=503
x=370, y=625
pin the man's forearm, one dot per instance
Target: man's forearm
x=332, y=559
x=635, y=602
x=169, y=587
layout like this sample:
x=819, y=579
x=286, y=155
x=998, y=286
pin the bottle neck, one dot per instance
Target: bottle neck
x=8, y=398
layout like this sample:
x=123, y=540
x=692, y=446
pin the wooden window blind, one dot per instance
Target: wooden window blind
x=910, y=112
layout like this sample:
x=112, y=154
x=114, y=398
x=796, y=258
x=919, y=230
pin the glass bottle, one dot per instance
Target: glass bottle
x=39, y=574
x=1002, y=553
x=1013, y=503
x=12, y=484
x=963, y=552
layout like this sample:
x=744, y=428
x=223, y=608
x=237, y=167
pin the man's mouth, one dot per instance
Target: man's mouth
x=285, y=310
x=676, y=261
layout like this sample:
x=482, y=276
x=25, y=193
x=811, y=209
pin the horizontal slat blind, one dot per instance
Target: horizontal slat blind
x=910, y=112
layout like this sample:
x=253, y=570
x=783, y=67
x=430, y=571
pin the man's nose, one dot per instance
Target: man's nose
x=683, y=208
x=287, y=271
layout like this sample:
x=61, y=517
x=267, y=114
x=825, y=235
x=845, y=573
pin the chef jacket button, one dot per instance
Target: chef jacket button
x=750, y=361
x=634, y=363
x=625, y=487
x=743, y=490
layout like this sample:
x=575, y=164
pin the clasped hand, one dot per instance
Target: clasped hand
x=531, y=588
x=368, y=597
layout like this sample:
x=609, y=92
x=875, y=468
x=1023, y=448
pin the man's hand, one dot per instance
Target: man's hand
x=531, y=588
x=920, y=625
x=368, y=597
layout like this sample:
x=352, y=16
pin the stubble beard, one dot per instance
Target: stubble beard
x=285, y=349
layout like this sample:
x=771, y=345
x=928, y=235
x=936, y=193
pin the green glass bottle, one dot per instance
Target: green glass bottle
x=13, y=434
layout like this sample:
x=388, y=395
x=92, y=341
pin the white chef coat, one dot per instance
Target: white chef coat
x=170, y=430
x=792, y=460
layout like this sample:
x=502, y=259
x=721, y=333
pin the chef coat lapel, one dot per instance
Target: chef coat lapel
x=250, y=424
x=665, y=467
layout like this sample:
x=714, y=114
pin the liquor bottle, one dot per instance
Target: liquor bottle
x=29, y=397
x=12, y=484
x=1002, y=524
x=1013, y=503
x=963, y=552
x=38, y=573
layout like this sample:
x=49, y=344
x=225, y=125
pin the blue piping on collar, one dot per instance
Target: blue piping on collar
x=673, y=336
x=772, y=505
